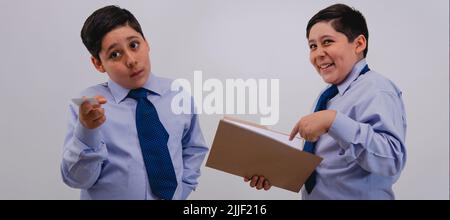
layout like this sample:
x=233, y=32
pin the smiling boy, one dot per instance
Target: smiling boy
x=131, y=145
x=359, y=123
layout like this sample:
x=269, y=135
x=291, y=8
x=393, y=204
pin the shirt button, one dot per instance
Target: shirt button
x=341, y=152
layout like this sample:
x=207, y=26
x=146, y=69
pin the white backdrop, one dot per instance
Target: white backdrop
x=44, y=64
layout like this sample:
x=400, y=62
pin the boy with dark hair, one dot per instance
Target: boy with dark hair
x=359, y=123
x=129, y=144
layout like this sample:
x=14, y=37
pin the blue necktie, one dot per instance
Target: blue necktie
x=153, y=139
x=311, y=146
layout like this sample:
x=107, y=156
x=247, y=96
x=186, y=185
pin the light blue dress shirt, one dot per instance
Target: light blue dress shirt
x=364, y=150
x=107, y=163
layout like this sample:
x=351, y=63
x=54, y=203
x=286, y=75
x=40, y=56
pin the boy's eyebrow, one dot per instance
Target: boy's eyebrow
x=325, y=36
x=320, y=38
x=132, y=37
x=115, y=44
x=111, y=47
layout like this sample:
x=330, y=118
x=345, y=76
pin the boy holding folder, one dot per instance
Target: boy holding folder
x=359, y=123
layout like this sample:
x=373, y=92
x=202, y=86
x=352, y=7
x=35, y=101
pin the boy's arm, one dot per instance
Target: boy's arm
x=194, y=151
x=376, y=138
x=83, y=154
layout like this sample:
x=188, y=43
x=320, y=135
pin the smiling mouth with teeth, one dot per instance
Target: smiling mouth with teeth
x=325, y=66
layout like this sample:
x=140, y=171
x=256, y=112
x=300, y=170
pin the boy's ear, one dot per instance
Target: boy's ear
x=98, y=64
x=361, y=44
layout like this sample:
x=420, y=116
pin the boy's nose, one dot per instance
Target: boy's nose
x=320, y=52
x=131, y=60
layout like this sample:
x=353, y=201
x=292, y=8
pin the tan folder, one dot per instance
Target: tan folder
x=246, y=149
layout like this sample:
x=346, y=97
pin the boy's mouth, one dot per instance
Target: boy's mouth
x=325, y=66
x=137, y=73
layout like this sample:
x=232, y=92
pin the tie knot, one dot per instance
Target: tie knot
x=137, y=93
x=330, y=92
x=325, y=97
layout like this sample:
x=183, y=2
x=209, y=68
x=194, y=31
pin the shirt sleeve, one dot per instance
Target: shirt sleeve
x=83, y=154
x=194, y=151
x=374, y=134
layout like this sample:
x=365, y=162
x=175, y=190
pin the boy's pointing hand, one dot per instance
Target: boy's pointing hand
x=312, y=126
x=92, y=116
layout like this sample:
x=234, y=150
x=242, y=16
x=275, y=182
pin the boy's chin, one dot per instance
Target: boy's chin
x=132, y=85
x=326, y=77
x=139, y=83
x=330, y=80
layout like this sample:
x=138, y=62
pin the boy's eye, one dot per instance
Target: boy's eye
x=114, y=55
x=134, y=45
x=327, y=42
x=312, y=46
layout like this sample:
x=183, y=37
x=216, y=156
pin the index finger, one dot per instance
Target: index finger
x=85, y=107
x=101, y=100
x=293, y=132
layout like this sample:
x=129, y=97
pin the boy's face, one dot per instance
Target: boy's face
x=125, y=57
x=332, y=54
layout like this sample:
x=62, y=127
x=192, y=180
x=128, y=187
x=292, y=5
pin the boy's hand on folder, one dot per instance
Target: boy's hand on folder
x=259, y=182
x=92, y=116
x=312, y=126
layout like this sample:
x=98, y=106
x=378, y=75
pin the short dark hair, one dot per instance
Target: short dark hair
x=102, y=21
x=344, y=19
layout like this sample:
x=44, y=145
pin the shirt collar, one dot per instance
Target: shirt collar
x=343, y=87
x=120, y=93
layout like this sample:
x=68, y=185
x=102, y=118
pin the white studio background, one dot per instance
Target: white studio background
x=44, y=64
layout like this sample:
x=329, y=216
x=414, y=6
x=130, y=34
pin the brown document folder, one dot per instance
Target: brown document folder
x=246, y=149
